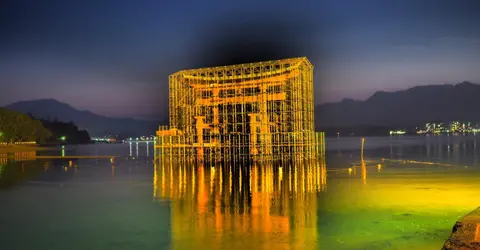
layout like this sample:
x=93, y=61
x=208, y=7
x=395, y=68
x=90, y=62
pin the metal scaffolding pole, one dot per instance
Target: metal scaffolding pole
x=260, y=111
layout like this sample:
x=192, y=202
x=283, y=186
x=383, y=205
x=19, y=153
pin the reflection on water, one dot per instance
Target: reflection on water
x=461, y=150
x=147, y=146
x=20, y=167
x=3, y=158
x=407, y=203
x=14, y=172
x=2, y=168
x=257, y=207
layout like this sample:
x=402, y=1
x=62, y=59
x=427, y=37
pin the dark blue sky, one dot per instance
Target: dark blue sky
x=114, y=57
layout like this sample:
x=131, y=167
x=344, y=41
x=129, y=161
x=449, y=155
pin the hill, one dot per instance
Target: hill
x=65, y=132
x=96, y=125
x=413, y=106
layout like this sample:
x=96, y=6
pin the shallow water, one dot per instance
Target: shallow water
x=134, y=204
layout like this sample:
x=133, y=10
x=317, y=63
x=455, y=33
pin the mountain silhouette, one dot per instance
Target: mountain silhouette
x=96, y=125
x=413, y=106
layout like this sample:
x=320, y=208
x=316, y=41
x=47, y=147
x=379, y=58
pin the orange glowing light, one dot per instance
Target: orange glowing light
x=260, y=110
x=477, y=233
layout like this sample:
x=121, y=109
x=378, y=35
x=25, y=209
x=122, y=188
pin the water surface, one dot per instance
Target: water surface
x=133, y=203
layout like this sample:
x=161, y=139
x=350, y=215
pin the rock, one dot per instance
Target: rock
x=465, y=233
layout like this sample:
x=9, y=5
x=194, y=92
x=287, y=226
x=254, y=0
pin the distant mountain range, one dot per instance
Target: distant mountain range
x=96, y=125
x=383, y=109
x=413, y=106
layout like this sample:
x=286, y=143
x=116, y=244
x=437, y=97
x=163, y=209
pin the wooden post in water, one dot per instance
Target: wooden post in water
x=361, y=152
x=364, y=167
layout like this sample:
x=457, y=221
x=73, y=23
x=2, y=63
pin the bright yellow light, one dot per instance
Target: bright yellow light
x=206, y=97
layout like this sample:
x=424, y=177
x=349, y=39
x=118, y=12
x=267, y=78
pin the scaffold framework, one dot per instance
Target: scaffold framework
x=256, y=111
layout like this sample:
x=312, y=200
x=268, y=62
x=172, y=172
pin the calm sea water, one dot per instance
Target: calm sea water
x=133, y=203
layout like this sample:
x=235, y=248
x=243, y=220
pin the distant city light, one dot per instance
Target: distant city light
x=130, y=140
x=453, y=128
x=63, y=138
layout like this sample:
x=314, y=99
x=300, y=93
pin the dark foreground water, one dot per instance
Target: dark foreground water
x=134, y=204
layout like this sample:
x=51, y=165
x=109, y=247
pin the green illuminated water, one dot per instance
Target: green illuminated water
x=136, y=205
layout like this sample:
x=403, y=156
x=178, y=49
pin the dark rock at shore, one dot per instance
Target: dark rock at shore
x=465, y=233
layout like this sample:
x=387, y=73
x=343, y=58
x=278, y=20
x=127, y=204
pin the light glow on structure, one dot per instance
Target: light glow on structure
x=256, y=111
x=25, y=143
x=397, y=132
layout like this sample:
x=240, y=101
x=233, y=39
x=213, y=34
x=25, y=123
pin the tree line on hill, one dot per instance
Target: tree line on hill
x=66, y=132
x=19, y=127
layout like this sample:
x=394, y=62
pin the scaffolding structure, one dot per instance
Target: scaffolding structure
x=256, y=111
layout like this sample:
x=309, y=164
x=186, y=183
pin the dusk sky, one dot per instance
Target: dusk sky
x=114, y=57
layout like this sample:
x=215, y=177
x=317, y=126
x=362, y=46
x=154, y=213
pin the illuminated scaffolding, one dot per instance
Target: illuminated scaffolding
x=256, y=111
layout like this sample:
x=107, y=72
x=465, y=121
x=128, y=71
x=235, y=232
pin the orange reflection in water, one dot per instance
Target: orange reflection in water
x=242, y=207
x=22, y=156
x=364, y=173
x=3, y=158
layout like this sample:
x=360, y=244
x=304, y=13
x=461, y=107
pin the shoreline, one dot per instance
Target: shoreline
x=6, y=150
x=23, y=148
